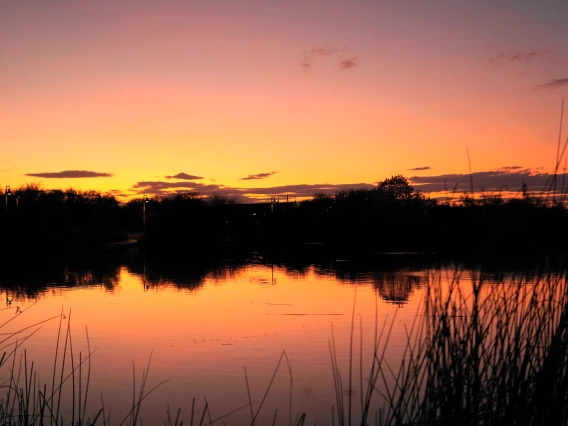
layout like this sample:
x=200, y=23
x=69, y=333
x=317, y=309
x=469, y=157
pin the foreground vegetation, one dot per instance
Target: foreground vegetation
x=483, y=351
x=391, y=217
x=486, y=354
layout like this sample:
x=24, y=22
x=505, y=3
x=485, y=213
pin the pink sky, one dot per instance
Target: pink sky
x=319, y=92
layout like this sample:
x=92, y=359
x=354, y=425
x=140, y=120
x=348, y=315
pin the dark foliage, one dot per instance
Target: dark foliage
x=391, y=217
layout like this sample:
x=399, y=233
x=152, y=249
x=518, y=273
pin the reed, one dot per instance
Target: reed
x=28, y=402
x=481, y=353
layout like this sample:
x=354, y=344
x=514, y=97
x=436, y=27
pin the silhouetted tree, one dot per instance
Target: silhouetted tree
x=217, y=200
x=397, y=189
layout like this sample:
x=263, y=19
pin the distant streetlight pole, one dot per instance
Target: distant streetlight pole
x=8, y=192
x=145, y=201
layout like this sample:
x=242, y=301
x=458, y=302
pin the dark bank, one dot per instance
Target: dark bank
x=393, y=217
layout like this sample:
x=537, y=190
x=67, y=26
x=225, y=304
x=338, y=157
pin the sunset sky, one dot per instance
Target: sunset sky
x=259, y=98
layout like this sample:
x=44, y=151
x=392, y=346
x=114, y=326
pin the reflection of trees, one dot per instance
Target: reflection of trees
x=393, y=276
x=32, y=277
x=394, y=279
x=221, y=273
x=293, y=267
x=107, y=277
x=396, y=287
x=181, y=273
x=295, y=270
x=191, y=278
x=160, y=275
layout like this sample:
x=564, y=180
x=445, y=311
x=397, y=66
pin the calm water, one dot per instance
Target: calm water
x=204, y=325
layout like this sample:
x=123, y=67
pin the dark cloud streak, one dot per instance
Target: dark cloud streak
x=184, y=176
x=164, y=188
x=324, y=52
x=161, y=185
x=161, y=188
x=69, y=174
x=507, y=178
x=306, y=190
x=258, y=176
x=553, y=84
x=519, y=56
x=348, y=63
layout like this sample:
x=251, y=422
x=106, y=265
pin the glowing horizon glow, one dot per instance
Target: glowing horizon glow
x=144, y=90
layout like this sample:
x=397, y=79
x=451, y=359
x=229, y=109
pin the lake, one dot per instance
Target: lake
x=217, y=330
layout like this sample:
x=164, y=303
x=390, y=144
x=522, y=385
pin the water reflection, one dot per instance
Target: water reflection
x=393, y=281
x=30, y=281
x=394, y=277
x=106, y=276
x=206, y=319
x=397, y=288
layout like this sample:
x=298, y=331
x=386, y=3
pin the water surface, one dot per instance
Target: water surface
x=204, y=324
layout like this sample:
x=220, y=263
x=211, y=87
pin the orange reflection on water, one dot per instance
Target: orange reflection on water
x=203, y=336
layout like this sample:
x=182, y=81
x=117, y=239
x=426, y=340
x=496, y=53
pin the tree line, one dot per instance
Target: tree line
x=393, y=216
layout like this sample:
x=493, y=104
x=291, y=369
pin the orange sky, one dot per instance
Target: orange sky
x=319, y=92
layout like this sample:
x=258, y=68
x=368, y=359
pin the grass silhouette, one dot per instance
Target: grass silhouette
x=480, y=354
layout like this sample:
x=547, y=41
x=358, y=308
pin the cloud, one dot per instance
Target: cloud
x=416, y=169
x=318, y=52
x=553, y=84
x=161, y=186
x=165, y=188
x=69, y=174
x=258, y=176
x=301, y=190
x=184, y=176
x=519, y=56
x=348, y=63
x=509, y=178
x=325, y=51
x=119, y=193
x=306, y=65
